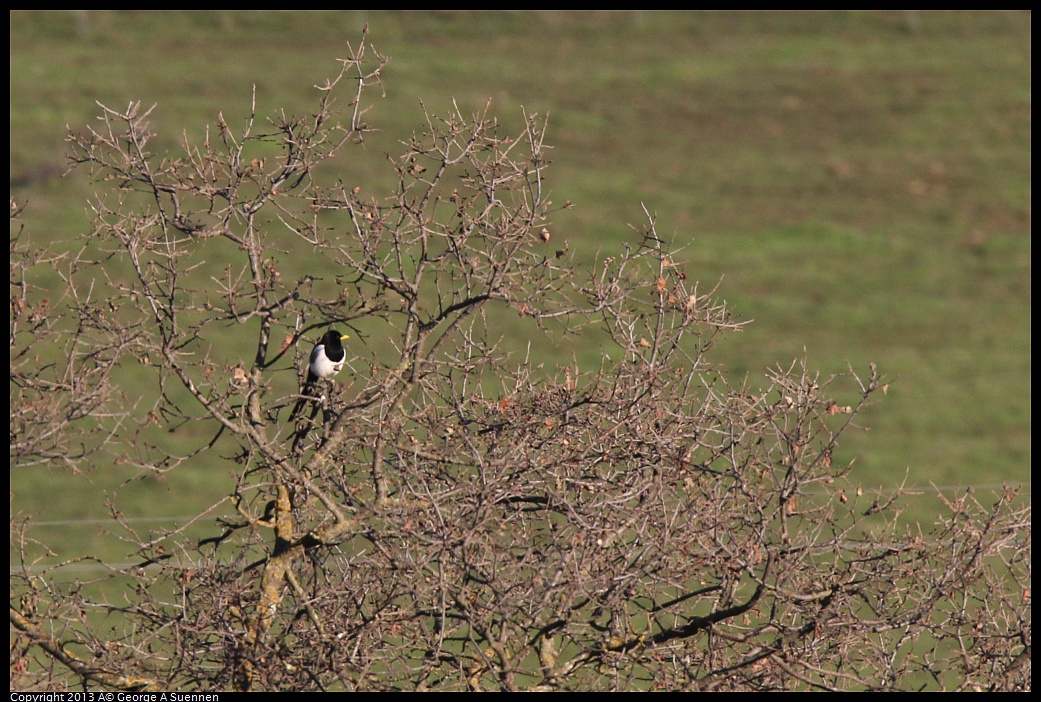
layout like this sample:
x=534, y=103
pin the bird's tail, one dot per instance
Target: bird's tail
x=306, y=395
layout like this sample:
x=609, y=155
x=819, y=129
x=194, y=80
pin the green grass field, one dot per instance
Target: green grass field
x=859, y=180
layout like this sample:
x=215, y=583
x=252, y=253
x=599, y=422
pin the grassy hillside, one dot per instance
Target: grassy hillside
x=860, y=181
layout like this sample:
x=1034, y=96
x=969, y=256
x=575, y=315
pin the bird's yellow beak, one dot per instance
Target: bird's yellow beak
x=344, y=336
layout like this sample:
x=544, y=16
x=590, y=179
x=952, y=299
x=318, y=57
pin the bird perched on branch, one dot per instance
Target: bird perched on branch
x=327, y=358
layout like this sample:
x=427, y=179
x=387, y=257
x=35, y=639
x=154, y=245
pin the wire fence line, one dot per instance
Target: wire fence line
x=91, y=564
x=906, y=490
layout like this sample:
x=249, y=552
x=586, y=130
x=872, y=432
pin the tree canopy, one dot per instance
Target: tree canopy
x=458, y=511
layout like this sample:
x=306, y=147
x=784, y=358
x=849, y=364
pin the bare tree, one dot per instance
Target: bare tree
x=454, y=516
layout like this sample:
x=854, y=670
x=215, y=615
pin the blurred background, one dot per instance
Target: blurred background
x=857, y=182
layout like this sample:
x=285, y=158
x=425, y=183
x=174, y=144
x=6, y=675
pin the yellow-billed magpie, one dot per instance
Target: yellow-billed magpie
x=327, y=358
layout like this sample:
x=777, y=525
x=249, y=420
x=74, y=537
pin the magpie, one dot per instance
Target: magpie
x=327, y=358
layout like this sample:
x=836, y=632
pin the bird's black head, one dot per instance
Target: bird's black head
x=333, y=342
